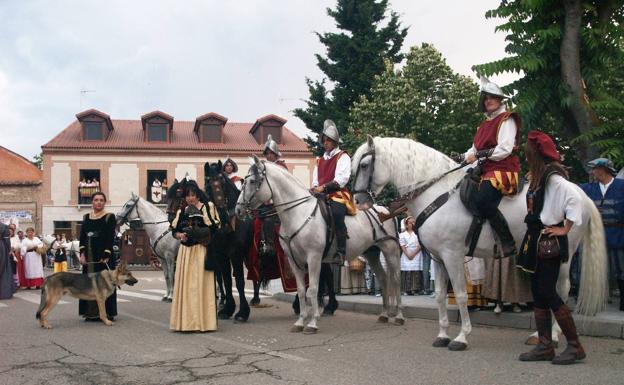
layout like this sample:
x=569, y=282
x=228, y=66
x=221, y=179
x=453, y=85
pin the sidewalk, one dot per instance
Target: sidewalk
x=609, y=323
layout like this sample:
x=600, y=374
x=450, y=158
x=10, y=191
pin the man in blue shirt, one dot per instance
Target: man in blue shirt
x=607, y=193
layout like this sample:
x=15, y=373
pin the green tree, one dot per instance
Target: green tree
x=354, y=56
x=38, y=161
x=562, y=49
x=425, y=100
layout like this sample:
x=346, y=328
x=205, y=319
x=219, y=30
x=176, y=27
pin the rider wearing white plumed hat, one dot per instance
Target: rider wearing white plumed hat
x=330, y=177
x=495, y=146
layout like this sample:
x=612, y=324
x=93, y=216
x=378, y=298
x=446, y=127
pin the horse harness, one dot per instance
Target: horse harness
x=300, y=201
x=161, y=236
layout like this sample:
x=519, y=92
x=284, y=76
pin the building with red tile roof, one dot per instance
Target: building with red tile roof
x=20, y=189
x=125, y=156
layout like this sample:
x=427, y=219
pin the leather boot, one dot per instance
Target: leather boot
x=501, y=228
x=574, y=351
x=621, y=286
x=544, y=350
x=341, y=247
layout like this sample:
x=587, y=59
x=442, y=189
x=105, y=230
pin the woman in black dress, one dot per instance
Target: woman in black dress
x=96, y=253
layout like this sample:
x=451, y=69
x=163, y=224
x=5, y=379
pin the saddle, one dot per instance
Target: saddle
x=330, y=230
x=467, y=189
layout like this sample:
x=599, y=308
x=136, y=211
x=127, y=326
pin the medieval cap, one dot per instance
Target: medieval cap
x=543, y=144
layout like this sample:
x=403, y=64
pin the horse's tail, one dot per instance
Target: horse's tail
x=593, y=289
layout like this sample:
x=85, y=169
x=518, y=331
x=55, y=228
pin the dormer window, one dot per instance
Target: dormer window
x=157, y=132
x=209, y=128
x=96, y=125
x=157, y=127
x=93, y=131
x=268, y=125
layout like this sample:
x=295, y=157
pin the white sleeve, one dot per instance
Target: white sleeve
x=562, y=201
x=315, y=175
x=23, y=248
x=506, y=140
x=343, y=170
x=403, y=239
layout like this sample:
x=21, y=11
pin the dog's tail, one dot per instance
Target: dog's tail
x=44, y=301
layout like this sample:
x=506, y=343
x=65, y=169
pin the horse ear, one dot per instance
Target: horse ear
x=133, y=195
x=256, y=160
x=220, y=165
x=371, y=142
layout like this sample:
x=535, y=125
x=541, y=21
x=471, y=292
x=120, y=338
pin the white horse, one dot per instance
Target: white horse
x=408, y=165
x=302, y=236
x=156, y=225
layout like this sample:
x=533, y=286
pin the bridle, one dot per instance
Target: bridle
x=369, y=186
x=124, y=219
x=262, y=175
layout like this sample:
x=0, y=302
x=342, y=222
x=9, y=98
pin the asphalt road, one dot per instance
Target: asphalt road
x=349, y=349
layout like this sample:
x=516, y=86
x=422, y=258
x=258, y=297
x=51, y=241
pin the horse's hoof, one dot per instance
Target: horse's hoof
x=309, y=330
x=441, y=342
x=399, y=321
x=254, y=301
x=169, y=299
x=223, y=316
x=164, y=299
x=382, y=319
x=533, y=340
x=457, y=346
x=296, y=329
x=327, y=311
x=239, y=318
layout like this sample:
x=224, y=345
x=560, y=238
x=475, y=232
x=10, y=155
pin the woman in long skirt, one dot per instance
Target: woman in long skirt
x=32, y=248
x=96, y=244
x=194, y=306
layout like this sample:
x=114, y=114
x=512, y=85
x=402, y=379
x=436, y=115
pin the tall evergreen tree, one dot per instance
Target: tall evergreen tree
x=354, y=57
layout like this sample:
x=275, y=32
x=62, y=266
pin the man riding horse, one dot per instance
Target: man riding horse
x=330, y=177
x=495, y=145
x=266, y=257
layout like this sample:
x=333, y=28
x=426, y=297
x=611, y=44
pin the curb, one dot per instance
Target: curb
x=587, y=326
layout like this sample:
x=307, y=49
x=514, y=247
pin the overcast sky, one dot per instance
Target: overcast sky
x=241, y=59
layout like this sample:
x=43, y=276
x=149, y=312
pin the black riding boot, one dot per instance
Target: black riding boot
x=341, y=247
x=500, y=227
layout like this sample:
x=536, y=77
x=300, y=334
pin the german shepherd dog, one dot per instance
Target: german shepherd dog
x=93, y=287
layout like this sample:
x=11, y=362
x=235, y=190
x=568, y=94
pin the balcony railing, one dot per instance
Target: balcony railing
x=85, y=193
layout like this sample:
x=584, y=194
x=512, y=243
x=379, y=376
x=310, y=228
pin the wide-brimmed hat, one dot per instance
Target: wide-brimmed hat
x=603, y=162
x=489, y=88
x=543, y=144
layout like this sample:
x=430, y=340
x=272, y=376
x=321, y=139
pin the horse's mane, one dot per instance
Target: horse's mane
x=408, y=160
x=281, y=169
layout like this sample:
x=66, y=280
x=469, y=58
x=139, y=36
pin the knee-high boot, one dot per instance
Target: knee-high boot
x=544, y=350
x=574, y=351
x=501, y=228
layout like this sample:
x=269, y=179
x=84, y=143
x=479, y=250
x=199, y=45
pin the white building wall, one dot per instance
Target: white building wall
x=303, y=174
x=60, y=183
x=123, y=180
x=183, y=168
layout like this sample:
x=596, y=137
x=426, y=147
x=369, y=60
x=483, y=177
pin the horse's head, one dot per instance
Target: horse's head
x=175, y=196
x=254, y=191
x=370, y=175
x=220, y=189
x=128, y=212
